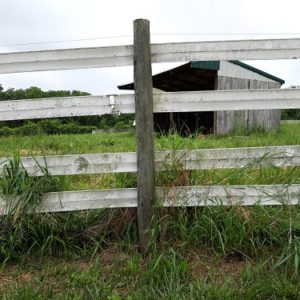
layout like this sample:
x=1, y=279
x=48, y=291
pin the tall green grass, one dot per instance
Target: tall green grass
x=289, y=134
x=170, y=275
x=191, y=247
x=220, y=229
x=22, y=194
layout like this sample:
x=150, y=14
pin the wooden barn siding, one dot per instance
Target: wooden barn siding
x=225, y=121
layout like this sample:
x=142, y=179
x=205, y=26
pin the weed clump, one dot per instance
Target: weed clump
x=21, y=196
x=24, y=230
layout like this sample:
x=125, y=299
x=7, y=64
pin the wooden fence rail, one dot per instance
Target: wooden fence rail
x=99, y=57
x=66, y=59
x=174, y=197
x=163, y=102
x=199, y=159
x=66, y=107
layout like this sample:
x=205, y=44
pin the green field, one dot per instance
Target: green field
x=121, y=142
x=202, y=253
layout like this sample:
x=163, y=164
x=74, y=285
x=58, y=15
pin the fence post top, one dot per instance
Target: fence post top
x=141, y=20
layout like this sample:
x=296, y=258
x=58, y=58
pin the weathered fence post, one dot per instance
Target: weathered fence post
x=144, y=130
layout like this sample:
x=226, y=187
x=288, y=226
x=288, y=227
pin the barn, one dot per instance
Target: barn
x=214, y=75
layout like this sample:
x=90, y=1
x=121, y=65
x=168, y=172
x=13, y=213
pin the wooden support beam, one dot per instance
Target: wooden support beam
x=144, y=130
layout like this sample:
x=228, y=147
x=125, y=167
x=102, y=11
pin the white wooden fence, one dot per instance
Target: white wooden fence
x=99, y=57
x=199, y=159
x=162, y=102
x=191, y=196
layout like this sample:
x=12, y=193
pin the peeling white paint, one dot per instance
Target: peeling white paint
x=99, y=57
x=200, y=159
x=177, y=196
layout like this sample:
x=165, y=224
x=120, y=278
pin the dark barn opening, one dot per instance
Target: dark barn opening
x=184, y=123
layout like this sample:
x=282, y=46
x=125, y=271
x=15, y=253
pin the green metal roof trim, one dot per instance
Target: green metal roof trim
x=215, y=66
x=206, y=65
x=260, y=72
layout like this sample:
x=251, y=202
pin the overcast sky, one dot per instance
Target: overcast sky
x=39, y=21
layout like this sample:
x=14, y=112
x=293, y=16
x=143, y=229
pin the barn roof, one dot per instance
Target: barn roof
x=195, y=76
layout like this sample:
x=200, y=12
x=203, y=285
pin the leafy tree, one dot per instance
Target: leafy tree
x=54, y=126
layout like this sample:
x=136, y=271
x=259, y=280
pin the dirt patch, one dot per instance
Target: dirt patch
x=226, y=270
x=199, y=262
x=11, y=276
x=24, y=277
x=113, y=222
x=5, y=280
x=199, y=270
x=112, y=255
x=232, y=268
x=229, y=266
x=202, y=265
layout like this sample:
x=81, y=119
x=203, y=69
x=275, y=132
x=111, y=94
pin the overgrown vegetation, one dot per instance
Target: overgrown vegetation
x=289, y=134
x=198, y=253
x=20, y=225
x=206, y=253
x=70, y=125
x=290, y=114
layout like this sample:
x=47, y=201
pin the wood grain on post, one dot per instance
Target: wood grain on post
x=144, y=130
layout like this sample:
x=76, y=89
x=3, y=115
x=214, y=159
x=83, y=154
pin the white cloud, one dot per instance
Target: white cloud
x=48, y=20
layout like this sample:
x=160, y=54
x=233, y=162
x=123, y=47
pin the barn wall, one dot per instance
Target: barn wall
x=225, y=121
x=231, y=69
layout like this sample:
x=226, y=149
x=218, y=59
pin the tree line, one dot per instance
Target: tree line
x=57, y=126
